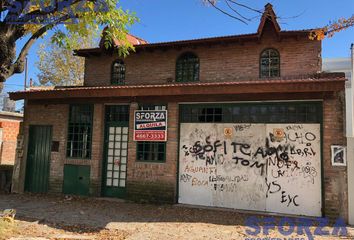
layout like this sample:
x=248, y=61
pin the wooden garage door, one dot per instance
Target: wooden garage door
x=271, y=167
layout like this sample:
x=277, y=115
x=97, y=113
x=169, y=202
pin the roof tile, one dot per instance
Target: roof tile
x=326, y=78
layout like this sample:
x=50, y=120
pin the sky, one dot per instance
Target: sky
x=169, y=20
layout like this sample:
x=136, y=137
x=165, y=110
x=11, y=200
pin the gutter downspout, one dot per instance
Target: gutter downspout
x=350, y=149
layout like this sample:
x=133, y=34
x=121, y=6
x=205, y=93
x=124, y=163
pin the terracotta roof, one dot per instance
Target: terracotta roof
x=11, y=114
x=210, y=40
x=232, y=87
x=41, y=87
x=281, y=81
x=221, y=38
x=135, y=41
x=268, y=17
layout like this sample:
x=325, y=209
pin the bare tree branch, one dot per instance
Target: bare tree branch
x=235, y=11
x=245, y=6
x=19, y=63
x=226, y=13
x=333, y=30
x=292, y=17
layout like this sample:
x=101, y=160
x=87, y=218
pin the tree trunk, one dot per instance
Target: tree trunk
x=9, y=34
x=8, y=65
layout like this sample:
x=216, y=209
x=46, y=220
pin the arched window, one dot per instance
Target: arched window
x=187, y=68
x=118, y=73
x=269, y=63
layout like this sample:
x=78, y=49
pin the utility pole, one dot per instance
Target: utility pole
x=350, y=149
x=26, y=73
x=352, y=57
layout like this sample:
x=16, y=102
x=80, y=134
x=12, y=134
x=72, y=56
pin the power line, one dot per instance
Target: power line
x=11, y=84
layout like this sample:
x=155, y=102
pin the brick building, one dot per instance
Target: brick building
x=9, y=130
x=251, y=120
x=10, y=123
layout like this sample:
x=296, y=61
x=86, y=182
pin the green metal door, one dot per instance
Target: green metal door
x=76, y=180
x=38, y=159
x=116, y=151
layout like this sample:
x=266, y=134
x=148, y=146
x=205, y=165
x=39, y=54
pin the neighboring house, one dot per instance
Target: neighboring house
x=251, y=120
x=8, y=105
x=9, y=130
x=10, y=123
x=346, y=65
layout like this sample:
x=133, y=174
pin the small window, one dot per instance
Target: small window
x=187, y=68
x=117, y=113
x=270, y=63
x=118, y=73
x=151, y=151
x=80, y=131
x=210, y=115
x=152, y=107
x=252, y=113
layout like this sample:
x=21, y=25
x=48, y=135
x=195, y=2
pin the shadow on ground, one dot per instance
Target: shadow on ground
x=89, y=216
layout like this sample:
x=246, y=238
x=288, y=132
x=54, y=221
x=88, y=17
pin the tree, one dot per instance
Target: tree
x=332, y=28
x=233, y=9
x=58, y=66
x=32, y=19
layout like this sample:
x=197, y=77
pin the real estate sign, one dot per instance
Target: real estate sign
x=150, y=125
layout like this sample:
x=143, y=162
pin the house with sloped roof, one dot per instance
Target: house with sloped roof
x=242, y=122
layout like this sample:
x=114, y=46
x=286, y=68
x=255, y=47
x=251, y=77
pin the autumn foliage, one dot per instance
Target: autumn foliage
x=332, y=28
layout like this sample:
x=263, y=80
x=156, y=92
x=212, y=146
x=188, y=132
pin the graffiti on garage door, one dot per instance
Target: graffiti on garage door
x=263, y=167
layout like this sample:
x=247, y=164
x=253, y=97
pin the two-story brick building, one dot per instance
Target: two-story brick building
x=251, y=121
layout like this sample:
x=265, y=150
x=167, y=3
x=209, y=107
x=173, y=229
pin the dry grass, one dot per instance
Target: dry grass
x=7, y=228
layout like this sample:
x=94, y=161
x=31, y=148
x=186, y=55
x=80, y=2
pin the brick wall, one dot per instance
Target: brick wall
x=57, y=115
x=154, y=181
x=97, y=151
x=218, y=62
x=150, y=181
x=335, y=185
x=157, y=182
x=10, y=130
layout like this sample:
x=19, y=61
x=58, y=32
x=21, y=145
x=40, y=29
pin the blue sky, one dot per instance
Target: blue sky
x=165, y=20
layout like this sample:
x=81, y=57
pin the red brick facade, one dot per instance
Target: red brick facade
x=335, y=185
x=10, y=129
x=220, y=61
x=57, y=117
x=158, y=181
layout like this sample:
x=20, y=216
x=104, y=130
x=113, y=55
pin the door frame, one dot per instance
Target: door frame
x=26, y=167
x=107, y=125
